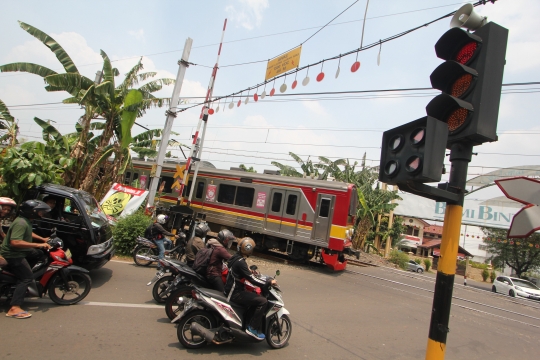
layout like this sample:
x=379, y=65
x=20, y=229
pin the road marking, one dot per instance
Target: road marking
x=122, y=262
x=98, y=303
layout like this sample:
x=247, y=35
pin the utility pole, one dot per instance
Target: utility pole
x=171, y=114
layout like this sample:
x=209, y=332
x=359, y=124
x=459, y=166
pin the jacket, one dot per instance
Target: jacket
x=238, y=270
x=216, y=259
x=193, y=246
x=156, y=231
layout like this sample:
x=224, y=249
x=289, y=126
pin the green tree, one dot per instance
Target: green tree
x=245, y=168
x=8, y=126
x=522, y=255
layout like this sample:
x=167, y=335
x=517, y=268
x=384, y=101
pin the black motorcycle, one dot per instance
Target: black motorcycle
x=146, y=251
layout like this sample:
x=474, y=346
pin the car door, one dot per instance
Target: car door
x=323, y=216
x=282, y=214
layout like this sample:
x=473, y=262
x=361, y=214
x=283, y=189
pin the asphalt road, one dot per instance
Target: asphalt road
x=364, y=313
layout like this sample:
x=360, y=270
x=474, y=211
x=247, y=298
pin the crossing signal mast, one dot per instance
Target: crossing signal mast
x=464, y=115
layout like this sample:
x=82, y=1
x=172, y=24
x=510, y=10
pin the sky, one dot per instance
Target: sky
x=254, y=134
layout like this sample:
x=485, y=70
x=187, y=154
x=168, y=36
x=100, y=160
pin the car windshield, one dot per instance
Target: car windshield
x=93, y=210
x=525, y=284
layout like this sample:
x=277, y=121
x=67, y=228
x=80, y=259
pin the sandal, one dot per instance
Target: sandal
x=21, y=315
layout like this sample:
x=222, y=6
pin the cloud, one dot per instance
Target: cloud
x=247, y=13
x=137, y=34
x=315, y=107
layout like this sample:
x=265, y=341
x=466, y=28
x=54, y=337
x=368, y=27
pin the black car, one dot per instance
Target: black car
x=79, y=221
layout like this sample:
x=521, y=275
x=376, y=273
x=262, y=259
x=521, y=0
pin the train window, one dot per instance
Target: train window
x=276, y=202
x=244, y=196
x=200, y=188
x=127, y=179
x=168, y=183
x=291, y=204
x=324, y=209
x=186, y=189
x=226, y=193
x=354, y=202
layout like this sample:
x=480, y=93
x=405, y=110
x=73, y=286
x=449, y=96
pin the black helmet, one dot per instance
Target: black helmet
x=225, y=237
x=56, y=243
x=30, y=208
x=201, y=230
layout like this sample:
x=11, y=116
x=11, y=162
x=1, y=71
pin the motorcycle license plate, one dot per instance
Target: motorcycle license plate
x=68, y=254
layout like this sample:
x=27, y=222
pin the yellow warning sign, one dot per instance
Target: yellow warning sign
x=283, y=63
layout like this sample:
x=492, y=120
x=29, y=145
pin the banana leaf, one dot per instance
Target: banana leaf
x=4, y=112
x=132, y=98
x=69, y=81
x=55, y=47
x=27, y=67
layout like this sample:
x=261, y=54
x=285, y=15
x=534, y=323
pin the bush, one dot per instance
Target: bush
x=485, y=274
x=399, y=258
x=427, y=263
x=127, y=229
x=492, y=276
x=418, y=261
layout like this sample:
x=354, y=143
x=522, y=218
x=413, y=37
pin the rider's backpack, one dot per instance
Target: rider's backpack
x=202, y=259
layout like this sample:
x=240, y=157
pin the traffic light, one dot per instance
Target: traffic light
x=413, y=152
x=470, y=81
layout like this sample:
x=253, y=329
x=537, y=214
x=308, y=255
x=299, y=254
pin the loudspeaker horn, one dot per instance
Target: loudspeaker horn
x=467, y=18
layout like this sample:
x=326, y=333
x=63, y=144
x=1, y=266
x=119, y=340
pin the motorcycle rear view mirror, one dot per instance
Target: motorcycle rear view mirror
x=277, y=273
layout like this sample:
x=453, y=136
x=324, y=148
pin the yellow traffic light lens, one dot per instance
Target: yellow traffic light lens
x=466, y=53
x=461, y=85
x=457, y=118
x=413, y=164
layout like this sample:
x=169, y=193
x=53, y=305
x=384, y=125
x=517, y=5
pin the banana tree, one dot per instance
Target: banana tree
x=8, y=126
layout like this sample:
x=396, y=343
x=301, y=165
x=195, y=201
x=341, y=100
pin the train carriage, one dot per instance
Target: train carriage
x=302, y=217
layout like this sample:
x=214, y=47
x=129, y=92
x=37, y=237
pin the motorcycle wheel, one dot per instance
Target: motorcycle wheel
x=144, y=251
x=160, y=286
x=78, y=286
x=279, y=331
x=172, y=307
x=186, y=337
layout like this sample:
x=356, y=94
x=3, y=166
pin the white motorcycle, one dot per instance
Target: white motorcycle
x=209, y=317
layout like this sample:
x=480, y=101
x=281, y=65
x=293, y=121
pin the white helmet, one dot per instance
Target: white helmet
x=162, y=219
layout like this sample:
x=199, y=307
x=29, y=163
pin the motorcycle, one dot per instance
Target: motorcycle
x=174, y=289
x=65, y=283
x=146, y=251
x=210, y=317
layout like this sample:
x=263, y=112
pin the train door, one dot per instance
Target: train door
x=323, y=216
x=282, y=214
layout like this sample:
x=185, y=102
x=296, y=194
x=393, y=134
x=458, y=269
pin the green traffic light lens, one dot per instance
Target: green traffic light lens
x=391, y=168
x=413, y=164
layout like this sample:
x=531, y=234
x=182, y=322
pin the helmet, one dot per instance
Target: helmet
x=201, y=230
x=246, y=246
x=162, y=219
x=30, y=208
x=56, y=243
x=10, y=203
x=225, y=236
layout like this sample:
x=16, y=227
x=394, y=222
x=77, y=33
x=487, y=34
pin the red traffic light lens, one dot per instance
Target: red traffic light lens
x=466, y=53
x=461, y=85
x=391, y=168
x=457, y=118
x=396, y=143
x=413, y=164
x=418, y=136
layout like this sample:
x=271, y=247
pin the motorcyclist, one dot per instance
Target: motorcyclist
x=220, y=253
x=196, y=243
x=156, y=232
x=238, y=271
x=17, y=246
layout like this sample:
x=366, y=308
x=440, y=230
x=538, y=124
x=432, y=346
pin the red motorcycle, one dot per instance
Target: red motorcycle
x=65, y=283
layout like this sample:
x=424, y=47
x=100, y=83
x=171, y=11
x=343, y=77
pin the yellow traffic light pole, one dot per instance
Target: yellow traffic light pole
x=460, y=156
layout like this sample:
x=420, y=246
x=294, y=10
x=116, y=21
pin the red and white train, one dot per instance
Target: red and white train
x=305, y=218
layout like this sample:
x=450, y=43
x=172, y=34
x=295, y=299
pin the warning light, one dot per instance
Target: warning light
x=466, y=53
x=418, y=135
x=414, y=164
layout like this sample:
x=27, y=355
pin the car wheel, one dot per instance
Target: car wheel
x=512, y=293
x=420, y=271
x=493, y=289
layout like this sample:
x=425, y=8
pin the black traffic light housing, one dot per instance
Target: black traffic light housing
x=470, y=81
x=413, y=152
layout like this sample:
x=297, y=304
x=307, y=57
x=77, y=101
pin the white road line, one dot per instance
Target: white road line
x=98, y=303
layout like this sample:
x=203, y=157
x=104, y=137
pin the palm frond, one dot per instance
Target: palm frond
x=147, y=75
x=131, y=77
x=55, y=47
